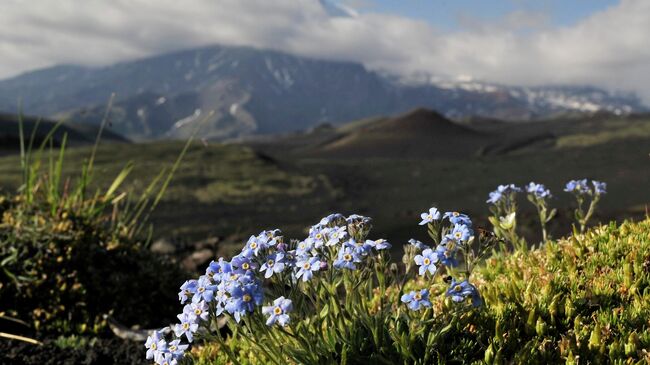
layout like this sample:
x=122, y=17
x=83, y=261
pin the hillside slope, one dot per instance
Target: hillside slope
x=78, y=134
x=418, y=134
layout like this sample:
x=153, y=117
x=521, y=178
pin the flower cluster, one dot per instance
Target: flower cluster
x=503, y=193
x=504, y=207
x=538, y=190
x=582, y=191
x=235, y=288
x=582, y=187
x=451, y=239
x=538, y=194
x=163, y=352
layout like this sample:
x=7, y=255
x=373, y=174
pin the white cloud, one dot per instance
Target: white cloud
x=609, y=49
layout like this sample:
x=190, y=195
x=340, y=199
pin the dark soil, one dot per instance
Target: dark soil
x=104, y=351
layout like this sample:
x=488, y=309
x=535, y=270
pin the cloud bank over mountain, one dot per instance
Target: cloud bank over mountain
x=608, y=48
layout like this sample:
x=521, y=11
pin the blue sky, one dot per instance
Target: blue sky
x=447, y=14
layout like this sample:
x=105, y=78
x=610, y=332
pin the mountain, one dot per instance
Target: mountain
x=237, y=91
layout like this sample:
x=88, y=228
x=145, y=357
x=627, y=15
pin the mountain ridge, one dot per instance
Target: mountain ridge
x=230, y=91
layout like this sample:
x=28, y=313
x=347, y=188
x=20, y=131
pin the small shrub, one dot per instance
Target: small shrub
x=69, y=257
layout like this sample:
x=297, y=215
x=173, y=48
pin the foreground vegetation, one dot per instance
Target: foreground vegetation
x=74, y=257
x=583, y=299
x=338, y=299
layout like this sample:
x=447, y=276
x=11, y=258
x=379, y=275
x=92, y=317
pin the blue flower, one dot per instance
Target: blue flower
x=459, y=292
x=304, y=247
x=220, y=269
x=221, y=297
x=335, y=219
x=358, y=219
x=176, y=349
x=380, y=244
x=204, y=290
x=187, y=327
x=346, y=258
x=428, y=217
x=187, y=290
x=318, y=237
x=306, y=267
x=427, y=261
x=459, y=233
x=244, y=299
x=418, y=244
x=278, y=312
x=446, y=254
x=243, y=263
x=274, y=264
x=254, y=246
x=578, y=187
x=599, y=187
x=502, y=192
x=336, y=235
x=197, y=310
x=494, y=197
x=458, y=218
x=360, y=247
x=166, y=358
x=155, y=344
x=212, y=268
x=538, y=190
x=417, y=299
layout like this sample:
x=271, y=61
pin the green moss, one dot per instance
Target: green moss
x=587, y=296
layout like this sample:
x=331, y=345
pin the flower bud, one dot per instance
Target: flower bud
x=489, y=355
x=540, y=327
x=594, y=339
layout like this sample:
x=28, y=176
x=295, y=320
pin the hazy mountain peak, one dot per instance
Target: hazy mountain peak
x=242, y=91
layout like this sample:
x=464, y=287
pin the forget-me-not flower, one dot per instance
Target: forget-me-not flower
x=155, y=344
x=428, y=217
x=204, y=290
x=306, y=267
x=599, y=187
x=346, y=258
x=274, y=264
x=278, y=312
x=417, y=299
x=463, y=290
x=578, y=187
x=458, y=218
x=538, y=190
x=187, y=290
x=446, y=254
x=427, y=261
x=418, y=244
x=459, y=233
x=187, y=327
x=176, y=349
